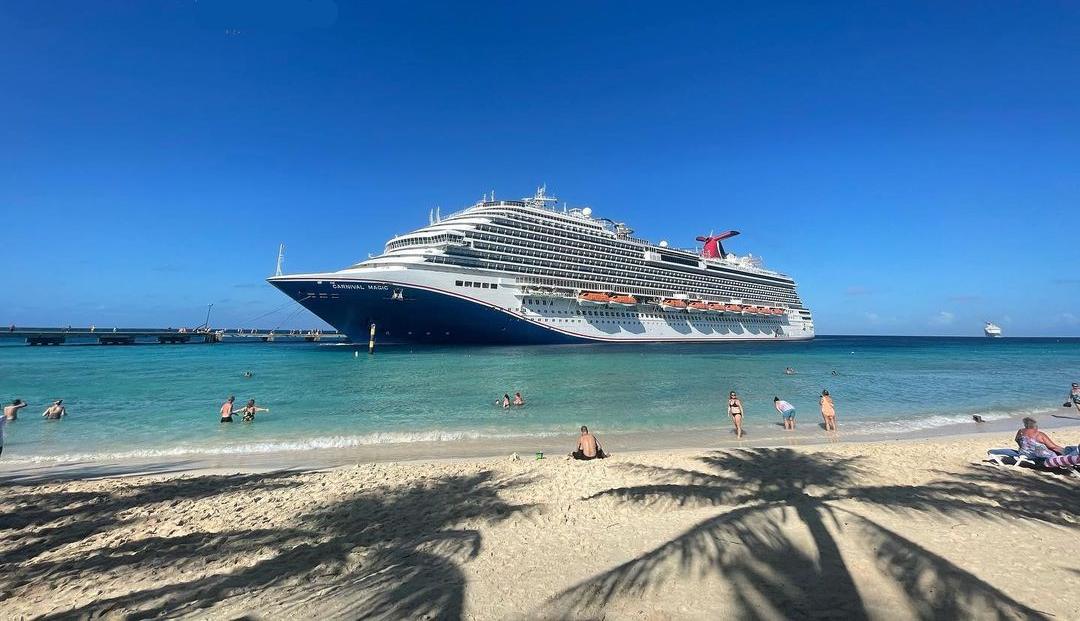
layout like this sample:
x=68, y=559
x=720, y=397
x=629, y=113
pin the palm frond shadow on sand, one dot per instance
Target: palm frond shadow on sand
x=386, y=553
x=776, y=543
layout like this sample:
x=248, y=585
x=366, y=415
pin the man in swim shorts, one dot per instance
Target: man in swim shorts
x=588, y=447
x=787, y=411
x=227, y=409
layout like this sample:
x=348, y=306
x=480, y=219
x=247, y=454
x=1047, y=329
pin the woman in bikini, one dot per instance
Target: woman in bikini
x=735, y=411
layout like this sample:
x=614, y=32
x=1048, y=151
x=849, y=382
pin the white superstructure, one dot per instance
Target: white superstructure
x=527, y=271
x=991, y=330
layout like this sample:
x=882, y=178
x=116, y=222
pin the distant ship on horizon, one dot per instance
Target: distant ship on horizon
x=526, y=272
x=992, y=330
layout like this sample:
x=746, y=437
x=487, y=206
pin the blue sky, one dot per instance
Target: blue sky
x=916, y=166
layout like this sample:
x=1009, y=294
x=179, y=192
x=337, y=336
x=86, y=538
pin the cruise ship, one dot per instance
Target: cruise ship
x=531, y=272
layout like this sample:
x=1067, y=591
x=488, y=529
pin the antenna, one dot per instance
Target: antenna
x=438, y=216
x=431, y=216
x=280, y=259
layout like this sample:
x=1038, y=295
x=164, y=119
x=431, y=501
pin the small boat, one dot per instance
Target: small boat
x=698, y=306
x=625, y=301
x=671, y=304
x=592, y=298
x=992, y=330
x=733, y=308
x=716, y=307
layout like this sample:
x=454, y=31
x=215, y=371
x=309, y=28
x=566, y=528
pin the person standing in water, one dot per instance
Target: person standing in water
x=11, y=412
x=249, y=410
x=56, y=411
x=506, y=401
x=735, y=411
x=227, y=409
x=1074, y=396
x=828, y=411
x=518, y=399
x=787, y=411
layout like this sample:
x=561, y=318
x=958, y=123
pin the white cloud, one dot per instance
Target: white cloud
x=944, y=318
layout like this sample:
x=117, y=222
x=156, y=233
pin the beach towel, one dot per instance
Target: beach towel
x=1062, y=461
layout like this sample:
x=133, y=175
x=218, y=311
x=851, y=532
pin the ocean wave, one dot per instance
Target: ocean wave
x=275, y=446
x=921, y=423
x=850, y=425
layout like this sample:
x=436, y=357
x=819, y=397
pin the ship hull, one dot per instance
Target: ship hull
x=410, y=306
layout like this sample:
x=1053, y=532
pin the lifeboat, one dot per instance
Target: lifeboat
x=625, y=301
x=733, y=308
x=779, y=311
x=716, y=307
x=671, y=304
x=592, y=298
x=698, y=307
x=758, y=310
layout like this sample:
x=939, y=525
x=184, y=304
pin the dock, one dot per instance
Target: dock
x=162, y=336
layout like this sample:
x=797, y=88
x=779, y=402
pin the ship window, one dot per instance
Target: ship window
x=494, y=286
x=458, y=283
x=484, y=285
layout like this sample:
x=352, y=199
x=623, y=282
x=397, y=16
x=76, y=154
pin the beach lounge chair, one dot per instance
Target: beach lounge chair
x=1010, y=457
x=1014, y=459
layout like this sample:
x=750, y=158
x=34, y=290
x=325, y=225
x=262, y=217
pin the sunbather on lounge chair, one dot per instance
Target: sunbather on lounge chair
x=1038, y=447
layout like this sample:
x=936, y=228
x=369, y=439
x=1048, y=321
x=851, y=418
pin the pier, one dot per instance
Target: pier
x=163, y=336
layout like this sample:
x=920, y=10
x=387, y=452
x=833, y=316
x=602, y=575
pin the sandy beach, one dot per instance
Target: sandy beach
x=902, y=529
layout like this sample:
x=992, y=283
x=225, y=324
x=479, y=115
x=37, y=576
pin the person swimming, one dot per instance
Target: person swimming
x=518, y=399
x=248, y=374
x=506, y=401
x=789, y=371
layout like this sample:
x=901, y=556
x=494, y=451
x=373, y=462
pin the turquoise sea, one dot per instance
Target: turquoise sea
x=158, y=400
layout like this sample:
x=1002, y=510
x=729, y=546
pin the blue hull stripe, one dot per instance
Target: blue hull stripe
x=431, y=315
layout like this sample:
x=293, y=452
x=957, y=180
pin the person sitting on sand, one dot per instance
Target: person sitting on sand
x=506, y=401
x=588, y=447
x=250, y=409
x=11, y=412
x=227, y=409
x=1037, y=445
x=56, y=411
x=828, y=411
x=787, y=411
x=735, y=411
x=518, y=400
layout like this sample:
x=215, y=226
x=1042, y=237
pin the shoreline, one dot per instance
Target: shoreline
x=526, y=447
